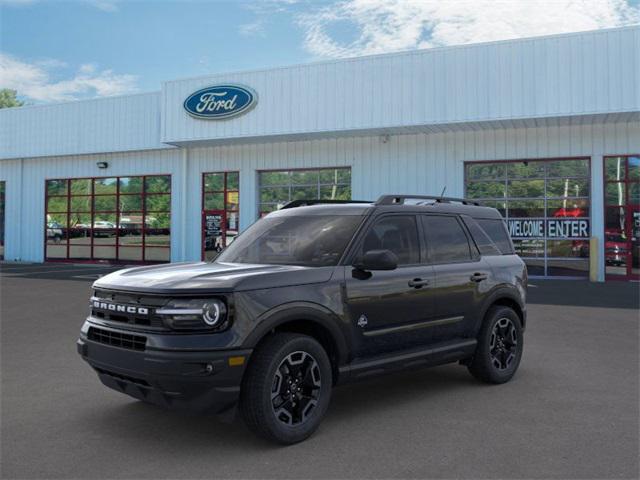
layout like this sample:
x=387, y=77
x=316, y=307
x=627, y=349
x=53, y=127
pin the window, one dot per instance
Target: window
x=114, y=219
x=480, y=237
x=279, y=187
x=446, y=240
x=220, y=211
x=397, y=233
x=2, y=187
x=310, y=241
x=546, y=206
x=497, y=232
x=622, y=217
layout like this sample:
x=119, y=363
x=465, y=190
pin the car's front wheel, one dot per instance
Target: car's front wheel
x=500, y=345
x=287, y=387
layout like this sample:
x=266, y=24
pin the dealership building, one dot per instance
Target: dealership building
x=545, y=129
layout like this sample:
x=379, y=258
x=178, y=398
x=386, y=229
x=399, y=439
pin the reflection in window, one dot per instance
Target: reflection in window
x=539, y=191
x=118, y=218
x=279, y=187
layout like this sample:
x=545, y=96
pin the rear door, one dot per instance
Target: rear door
x=461, y=277
x=388, y=308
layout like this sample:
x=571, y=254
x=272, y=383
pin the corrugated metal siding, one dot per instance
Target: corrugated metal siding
x=416, y=163
x=113, y=124
x=558, y=76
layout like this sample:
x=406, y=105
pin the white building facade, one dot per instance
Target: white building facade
x=545, y=129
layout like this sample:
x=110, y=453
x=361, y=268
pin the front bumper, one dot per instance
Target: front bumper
x=201, y=380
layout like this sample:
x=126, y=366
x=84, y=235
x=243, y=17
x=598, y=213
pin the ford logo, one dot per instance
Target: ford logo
x=220, y=101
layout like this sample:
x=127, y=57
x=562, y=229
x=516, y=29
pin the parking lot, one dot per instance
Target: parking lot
x=571, y=411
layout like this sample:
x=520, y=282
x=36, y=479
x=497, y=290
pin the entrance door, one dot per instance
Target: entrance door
x=622, y=217
x=214, y=233
x=220, y=197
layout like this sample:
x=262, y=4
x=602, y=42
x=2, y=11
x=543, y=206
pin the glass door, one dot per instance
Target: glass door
x=622, y=217
x=220, y=219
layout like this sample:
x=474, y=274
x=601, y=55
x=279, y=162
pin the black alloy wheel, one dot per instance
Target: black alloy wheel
x=287, y=387
x=504, y=343
x=296, y=388
x=500, y=346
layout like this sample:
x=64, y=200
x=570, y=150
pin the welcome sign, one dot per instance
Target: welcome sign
x=555, y=228
x=220, y=102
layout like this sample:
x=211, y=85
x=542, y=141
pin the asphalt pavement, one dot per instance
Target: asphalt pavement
x=572, y=411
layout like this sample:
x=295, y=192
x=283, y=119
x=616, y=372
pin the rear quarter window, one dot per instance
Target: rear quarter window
x=497, y=232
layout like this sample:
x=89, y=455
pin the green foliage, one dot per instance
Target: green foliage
x=8, y=98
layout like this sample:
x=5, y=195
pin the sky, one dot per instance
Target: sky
x=54, y=50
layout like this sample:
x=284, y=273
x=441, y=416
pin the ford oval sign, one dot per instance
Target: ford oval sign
x=220, y=102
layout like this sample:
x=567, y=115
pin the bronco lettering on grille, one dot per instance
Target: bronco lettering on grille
x=113, y=307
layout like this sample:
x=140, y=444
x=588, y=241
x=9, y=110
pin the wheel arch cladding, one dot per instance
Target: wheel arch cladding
x=510, y=303
x=322, y=326
x=505, y=298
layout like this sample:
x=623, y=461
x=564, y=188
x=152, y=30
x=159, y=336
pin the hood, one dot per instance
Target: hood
x=203, y=277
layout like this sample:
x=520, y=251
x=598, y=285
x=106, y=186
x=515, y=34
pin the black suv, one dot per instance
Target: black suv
x=315, y=294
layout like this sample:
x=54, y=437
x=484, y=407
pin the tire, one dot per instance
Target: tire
x=281, y=358
x=497, y=358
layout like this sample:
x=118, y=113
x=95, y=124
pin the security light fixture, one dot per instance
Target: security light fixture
x=102, y=164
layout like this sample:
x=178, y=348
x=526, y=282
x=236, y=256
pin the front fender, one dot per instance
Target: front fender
x=312, y=312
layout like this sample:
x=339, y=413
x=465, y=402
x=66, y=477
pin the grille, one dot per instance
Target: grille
x=117, y=339
x=131, y=319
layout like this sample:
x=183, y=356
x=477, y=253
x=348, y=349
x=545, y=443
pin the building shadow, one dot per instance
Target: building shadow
x=582, y=293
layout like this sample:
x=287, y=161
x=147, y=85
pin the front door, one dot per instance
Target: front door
x=622, y=217
x=389, y=308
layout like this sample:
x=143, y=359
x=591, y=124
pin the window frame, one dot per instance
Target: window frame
x=289, y=185
x=225, y=210
x=627, y=207
x=474, y=253
x=505, y=178
x=117, y=213
x=360, y=235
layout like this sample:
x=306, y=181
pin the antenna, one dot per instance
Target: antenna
x=442, y=194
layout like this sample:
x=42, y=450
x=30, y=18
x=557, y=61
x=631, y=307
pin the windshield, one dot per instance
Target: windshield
x=313, y=241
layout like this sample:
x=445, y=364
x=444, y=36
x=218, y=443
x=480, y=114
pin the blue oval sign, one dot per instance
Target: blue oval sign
x=220, y=101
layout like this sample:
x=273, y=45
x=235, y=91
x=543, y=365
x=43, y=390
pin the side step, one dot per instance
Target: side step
x=432, y=355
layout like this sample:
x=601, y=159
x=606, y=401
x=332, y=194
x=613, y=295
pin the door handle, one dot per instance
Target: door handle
x=478, y=277
x=418, y=283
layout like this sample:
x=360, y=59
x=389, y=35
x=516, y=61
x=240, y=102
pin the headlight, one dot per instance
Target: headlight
x=201, y=314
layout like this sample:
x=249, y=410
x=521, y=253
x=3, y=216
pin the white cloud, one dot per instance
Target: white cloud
x=390, y=25
x=252, y=29
x=35, y=82
x=104, y=5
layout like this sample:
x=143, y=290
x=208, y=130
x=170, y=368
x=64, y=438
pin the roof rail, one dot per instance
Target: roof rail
x=306, y=203
x=400, y=199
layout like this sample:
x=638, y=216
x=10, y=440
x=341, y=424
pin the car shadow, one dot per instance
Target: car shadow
x=147, y=425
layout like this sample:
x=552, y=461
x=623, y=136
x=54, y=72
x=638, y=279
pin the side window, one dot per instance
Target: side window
x=498, y=233
x=397, y=233
x=446, y=240
x=483, y=242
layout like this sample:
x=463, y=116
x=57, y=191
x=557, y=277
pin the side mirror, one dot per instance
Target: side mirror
x=377, y=260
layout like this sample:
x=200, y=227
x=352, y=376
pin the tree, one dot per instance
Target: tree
x=8, y=98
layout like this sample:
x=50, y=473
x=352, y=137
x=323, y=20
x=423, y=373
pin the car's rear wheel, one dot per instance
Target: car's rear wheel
x=500, y=345
x=287, y=387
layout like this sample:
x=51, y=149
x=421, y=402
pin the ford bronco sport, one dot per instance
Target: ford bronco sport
x=315, y=294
